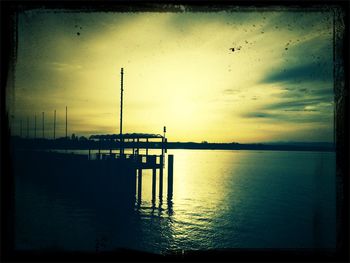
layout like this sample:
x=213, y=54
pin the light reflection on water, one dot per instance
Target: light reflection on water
x=222, y=199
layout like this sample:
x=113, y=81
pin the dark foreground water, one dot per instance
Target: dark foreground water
x=222, y=199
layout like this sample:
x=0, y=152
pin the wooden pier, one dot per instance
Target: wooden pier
x=138, y=162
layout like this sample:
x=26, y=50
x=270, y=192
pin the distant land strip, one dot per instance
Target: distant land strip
x=78, y=144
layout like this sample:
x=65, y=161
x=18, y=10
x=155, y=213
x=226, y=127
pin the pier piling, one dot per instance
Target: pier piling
x=161, y=178
x=154, y=179
x=139, y=185
x=134, y=176
x=170, y=175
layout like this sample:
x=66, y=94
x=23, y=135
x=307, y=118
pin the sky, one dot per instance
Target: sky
x=225, y=76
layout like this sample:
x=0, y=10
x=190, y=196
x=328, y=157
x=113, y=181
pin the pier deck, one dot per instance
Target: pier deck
x=139, y=161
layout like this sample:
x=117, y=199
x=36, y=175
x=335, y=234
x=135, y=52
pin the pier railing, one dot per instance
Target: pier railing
x=140, y=160
x=139, y=163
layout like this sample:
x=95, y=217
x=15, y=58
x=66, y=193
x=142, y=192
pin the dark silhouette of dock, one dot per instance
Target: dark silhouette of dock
x=124, y=171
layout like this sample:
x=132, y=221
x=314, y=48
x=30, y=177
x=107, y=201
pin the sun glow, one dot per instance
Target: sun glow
x=217, y=76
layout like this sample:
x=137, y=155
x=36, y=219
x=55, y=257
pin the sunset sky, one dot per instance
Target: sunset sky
x=180, y=72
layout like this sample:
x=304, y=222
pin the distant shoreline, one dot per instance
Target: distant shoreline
x=269, y=147
x=106, y=145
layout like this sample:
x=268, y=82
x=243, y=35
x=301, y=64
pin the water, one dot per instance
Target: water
x=222, y=199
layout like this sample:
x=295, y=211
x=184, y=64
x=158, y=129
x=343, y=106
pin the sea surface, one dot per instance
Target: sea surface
x=221, y=199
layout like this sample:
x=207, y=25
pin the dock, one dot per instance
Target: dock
x=117, y=170
x=138, y=162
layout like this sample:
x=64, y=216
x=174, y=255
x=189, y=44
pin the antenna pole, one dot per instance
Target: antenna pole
x=121, y=111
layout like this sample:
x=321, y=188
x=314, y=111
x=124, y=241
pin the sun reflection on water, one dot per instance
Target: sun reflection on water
x=200, y=189
x=221, y=199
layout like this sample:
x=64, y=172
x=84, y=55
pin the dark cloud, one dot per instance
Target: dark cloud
x=324, y=92
x=310, y=90
x=293, y=116
x=294, y=105
x=259, y=115
x=308, y=58
x=321, y=71
x=300, y=21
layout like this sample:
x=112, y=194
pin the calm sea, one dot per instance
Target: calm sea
x=222, y=199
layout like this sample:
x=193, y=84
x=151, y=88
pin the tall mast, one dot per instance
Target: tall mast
x=121, y=110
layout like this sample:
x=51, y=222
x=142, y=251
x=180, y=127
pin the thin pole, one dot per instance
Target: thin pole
x=154, y=181
x=54, y=125
x=163, y=145
x=66, y=121
x=43, y=125
x=161, y=178
x=121, y=111
x=139, y=185
x=35, y=126
x=170, y=175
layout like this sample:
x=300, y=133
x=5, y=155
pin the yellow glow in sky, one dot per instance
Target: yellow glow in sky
x=180, y=72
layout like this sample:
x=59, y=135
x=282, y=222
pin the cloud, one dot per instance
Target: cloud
x=302, y=116
x=294, y=104
x=178, y=69
x=259, y=115
x=321, y=71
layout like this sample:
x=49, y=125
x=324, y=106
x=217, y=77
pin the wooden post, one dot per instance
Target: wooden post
x=99, y=150
x=146, y=146
x=161, y=179
x=134, y=184
x=170, y=175
x=139, y=185
x=89, y=153
x=154, y=179
x=162, y=149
